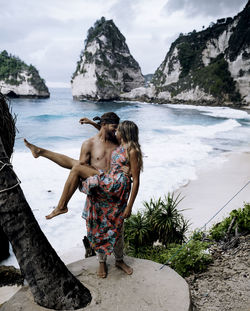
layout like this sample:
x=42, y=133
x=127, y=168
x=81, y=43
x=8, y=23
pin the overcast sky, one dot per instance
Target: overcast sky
x=50, y=34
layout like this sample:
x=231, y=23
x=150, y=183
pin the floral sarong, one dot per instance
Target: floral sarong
x=107, y=196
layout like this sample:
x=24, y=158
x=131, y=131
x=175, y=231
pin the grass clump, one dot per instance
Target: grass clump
x=163, y=223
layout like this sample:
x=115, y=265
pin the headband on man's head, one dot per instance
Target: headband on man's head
x=106, y=120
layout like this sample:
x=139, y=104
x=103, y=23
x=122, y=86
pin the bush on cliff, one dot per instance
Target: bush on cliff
x=241, y=223
x=162, y=222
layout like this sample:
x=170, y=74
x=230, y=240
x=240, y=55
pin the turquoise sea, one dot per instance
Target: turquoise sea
x=176, y=141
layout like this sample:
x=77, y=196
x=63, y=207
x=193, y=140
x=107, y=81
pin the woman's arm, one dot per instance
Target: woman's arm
x=88, y=121
x=135, y=172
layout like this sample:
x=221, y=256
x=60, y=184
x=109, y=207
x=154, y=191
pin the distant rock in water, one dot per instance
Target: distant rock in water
x=20, y=80
x=106, y=68
x=210, y=67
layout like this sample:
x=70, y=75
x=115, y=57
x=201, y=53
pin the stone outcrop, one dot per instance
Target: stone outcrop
x=106, y=68
x=207, y=67
x=20, y=80
x=148, y=288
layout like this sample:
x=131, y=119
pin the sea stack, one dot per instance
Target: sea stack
x=17, y=79
x=106, y=68
x=209, y=67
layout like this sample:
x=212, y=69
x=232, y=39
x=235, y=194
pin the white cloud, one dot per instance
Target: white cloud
x=50, y=34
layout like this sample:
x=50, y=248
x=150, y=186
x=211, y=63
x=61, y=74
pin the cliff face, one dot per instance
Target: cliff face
x=20, y=80
x=207, y=67
x=106, y=68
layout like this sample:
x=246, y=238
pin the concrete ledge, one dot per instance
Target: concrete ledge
x=147, y=289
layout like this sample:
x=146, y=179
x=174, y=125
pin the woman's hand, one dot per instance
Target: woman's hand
x=127, y=212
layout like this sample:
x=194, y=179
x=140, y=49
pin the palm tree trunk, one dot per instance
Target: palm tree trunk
x=51, y=283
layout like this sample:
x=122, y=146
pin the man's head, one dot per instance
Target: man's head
x=109, y=122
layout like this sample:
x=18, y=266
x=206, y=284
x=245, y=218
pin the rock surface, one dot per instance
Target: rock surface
x=225, y=286
x=210, y=67
x=9, y=275
x=20, y=80
x=106, y=68
x=147, y=289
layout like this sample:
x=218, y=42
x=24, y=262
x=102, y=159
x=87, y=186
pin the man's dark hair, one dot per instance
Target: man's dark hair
x=108, y=118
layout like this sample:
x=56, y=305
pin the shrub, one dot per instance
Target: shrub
x=193, y=257
x=242, y=216
x=166, y=220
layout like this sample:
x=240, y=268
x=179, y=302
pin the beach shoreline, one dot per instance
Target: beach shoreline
x=214, y=187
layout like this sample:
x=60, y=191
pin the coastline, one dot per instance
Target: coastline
x=214, y=187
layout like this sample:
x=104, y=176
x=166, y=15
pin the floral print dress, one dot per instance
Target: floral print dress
x=107, y=196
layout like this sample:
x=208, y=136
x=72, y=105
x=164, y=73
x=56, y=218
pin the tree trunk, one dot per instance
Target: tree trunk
x=4, y=245
x=51, y=283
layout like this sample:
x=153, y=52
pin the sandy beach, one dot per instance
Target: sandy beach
x=214, y=187
x=203, y=197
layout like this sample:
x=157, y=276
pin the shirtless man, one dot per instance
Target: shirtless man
x=95, y=152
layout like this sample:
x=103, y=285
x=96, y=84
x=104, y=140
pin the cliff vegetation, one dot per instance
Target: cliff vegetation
x=13, y=71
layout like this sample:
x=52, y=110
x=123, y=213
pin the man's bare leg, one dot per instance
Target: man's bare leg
x=102, y=271
x=60, y=159
x=123, y=266
x=70, y=187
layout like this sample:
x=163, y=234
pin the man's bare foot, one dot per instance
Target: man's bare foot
x=123, y=266
x=34, y=149
x=102, y=271
x=57, y=211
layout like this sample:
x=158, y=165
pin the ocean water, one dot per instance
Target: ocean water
x=175, y=140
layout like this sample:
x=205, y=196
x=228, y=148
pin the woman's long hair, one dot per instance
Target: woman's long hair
x=130, y=135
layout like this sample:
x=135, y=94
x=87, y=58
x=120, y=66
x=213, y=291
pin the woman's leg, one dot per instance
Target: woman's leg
x=70, y=187
x=58, y=158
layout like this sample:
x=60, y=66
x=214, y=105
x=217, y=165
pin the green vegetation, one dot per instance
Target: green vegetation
x=12, y=70
x=102, y=82
x=162, y=222
x=107, y=28
x=240, y=38
x=241, y=222
x=216, y=79
x=35, y=80
x=187, y=57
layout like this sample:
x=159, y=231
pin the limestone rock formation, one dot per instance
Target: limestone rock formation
x=207, y=67
x=106, y=68
x=20, y=80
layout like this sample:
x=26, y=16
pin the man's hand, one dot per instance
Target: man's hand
x=126, y=170
x=85, y=121
x=127, y=213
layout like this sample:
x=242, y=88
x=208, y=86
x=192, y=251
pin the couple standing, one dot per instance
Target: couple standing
x=101, y=173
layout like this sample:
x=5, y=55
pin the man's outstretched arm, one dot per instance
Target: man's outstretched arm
x=85, y=120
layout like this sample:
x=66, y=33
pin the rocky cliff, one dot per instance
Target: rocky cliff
x=106, y=68
x=20, y=80
x=207, y=67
